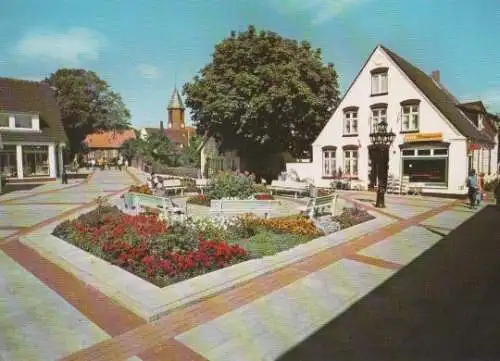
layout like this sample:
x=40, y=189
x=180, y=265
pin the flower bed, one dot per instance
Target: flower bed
x=264, y=197
x=146, y=246
x=165, y=253
x=200, y=200
x=352, y=216
x=144, y=189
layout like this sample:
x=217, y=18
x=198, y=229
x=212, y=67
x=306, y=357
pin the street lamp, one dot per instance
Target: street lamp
x=382, y=140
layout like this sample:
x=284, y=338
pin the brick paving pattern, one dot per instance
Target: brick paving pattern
x=234, y=324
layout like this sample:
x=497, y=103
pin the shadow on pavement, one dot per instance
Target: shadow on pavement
x=443, y=306
x=7, y=188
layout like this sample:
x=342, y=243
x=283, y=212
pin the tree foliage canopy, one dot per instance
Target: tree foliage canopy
x=87, y=104
x=263, y=93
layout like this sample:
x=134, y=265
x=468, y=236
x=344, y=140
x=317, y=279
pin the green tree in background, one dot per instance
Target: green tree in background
x=192, y=151
x=263, y=94
x=157, y=148
x=87, y=104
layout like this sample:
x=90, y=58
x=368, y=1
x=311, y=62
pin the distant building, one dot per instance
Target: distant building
x=107, y=145
x=176, y=130
x=212, y=160
x=31, y=132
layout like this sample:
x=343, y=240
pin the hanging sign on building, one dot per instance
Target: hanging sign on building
x=423, y=137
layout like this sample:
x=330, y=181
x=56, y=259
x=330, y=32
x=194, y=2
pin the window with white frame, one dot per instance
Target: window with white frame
x=350, y=163
x=426, y=165
x=23, y=121
x=379, y=82
x=4, y=120
x=351, y=122
x=329, y=164
x=378, y=115
x=410, y=117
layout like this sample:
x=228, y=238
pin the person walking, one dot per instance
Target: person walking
x=497, y=192
x=126, y=163
x=119, y=163
x=473, y=188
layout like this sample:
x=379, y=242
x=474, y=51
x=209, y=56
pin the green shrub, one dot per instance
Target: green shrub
x=230, y=185
x=175, y=171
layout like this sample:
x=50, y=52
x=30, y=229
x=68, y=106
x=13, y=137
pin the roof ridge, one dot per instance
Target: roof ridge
x=442, y=99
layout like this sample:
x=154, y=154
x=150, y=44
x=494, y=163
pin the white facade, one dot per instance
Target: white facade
x=428, y=134
x=24, y=160
x=211, y=160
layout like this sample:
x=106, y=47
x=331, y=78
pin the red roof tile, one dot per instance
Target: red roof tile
x=112, y=139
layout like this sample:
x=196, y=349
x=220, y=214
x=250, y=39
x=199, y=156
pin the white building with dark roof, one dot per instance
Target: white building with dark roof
x=438, y=139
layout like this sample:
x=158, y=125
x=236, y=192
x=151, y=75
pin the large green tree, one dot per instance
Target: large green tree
x=157, y=148
x=263, y=94
x=87, y=104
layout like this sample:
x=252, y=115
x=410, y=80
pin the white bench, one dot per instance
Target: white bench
x=320, y=204
x=202, y=183
x=174, y=185
x=289, y=186
x=140, y=200
x=231, y=207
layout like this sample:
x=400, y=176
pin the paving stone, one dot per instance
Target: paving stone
x=289, y=314
x=34, y=319
x=403, y=247
x=450, y=219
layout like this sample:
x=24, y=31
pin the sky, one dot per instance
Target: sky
x=143, y=48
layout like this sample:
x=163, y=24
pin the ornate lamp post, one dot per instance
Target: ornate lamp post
x=382, y=140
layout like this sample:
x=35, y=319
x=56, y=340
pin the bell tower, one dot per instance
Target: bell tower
x=175, y=110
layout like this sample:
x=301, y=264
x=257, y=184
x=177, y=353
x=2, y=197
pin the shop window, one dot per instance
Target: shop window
x=8, y=161
x=35, y=161
x=426, y=165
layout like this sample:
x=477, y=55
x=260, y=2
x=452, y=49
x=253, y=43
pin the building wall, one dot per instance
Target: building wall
x=176, y=118
x=400, y=88
x=209, y=155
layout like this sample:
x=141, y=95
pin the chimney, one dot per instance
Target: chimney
x=436, y=76
x=161, y=125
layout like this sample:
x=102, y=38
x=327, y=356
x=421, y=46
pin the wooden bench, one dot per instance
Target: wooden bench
x=320, y=204
x=289, y=187
x=140, y=200
x=202, y=183
x=230, y=207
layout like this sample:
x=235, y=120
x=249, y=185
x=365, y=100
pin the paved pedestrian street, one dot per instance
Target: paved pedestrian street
x=47, y=313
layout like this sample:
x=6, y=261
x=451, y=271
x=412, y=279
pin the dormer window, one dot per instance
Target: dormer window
x=379, y=81
x=23, y=121
x=4, y=120
x=351, y=121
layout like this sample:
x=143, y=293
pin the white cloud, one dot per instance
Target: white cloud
x=490, y=98
x=71, y=47
x=320, y=10
x=148, y=71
